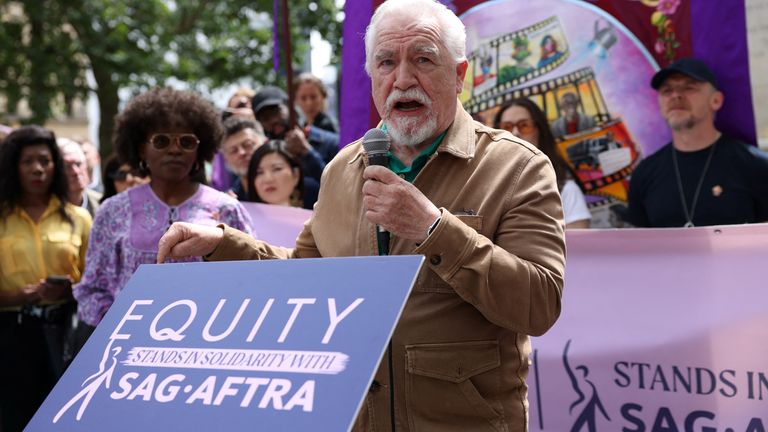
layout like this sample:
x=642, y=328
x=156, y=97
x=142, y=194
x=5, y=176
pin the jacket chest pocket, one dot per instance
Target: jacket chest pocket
x=443, y=391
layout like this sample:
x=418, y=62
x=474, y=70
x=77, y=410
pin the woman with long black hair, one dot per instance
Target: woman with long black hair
x=525, y=119
x=43, y=240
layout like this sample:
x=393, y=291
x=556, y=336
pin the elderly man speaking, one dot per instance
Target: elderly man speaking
x=480, y=204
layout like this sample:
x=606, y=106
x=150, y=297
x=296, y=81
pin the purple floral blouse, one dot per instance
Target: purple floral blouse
x=125, y=233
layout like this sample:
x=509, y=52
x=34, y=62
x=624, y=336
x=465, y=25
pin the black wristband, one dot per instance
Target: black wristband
x=433, y=226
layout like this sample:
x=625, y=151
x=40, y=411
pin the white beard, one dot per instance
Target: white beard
x=406, y=131
x=235, y=171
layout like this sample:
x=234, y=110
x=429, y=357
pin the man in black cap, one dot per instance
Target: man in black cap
x=270, y=106
x=702, y=177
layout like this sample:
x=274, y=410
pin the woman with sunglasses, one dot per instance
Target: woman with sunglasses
x=43, y=239
x=121, y=177
x=526, y=120
x=169, y=135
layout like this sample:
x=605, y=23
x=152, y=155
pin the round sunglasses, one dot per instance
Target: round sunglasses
x=162, y=140
x=524, y=126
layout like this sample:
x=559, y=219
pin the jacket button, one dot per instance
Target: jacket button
x=435, y=260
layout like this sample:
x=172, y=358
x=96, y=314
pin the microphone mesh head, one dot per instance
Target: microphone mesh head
x=376, y=141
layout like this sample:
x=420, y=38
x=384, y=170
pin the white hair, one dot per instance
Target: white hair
x=67, y=145
x=451, y=28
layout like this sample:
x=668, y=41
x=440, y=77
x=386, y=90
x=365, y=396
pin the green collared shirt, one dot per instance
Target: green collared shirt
x=409, y=173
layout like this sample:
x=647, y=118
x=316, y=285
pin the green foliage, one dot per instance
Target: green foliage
x=48, y=45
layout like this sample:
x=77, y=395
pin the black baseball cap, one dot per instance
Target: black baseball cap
x=691, y=67
x=268, y=96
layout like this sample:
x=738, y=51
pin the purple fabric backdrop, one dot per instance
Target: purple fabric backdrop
x=667, y=299
x=720, y=39
x=355, y=83
x=718, y=34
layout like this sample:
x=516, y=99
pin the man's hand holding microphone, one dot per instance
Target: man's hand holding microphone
x=390, y=202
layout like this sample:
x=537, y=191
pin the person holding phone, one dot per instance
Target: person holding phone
x=43, y=242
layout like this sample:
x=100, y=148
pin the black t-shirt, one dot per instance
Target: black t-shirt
x=734, y=191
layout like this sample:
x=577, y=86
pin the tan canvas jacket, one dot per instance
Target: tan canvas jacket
x=493, y=275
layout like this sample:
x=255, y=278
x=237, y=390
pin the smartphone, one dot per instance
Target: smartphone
x=57, y=280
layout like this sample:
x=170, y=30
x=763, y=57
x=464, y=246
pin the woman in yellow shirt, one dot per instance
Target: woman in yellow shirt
x=43, y=240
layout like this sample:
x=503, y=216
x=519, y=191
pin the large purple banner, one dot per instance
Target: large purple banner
x=713, y=31
x=662, y=330
x=277, y=225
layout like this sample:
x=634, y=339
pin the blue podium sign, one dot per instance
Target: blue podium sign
x=244, y=345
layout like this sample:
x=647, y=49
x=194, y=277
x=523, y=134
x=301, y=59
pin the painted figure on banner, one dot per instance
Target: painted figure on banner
x=495, y=259
x=702, y=177
x=549, y=51
x=599, y=135
x=521, y=54
x=572, y=120
x=588, y=415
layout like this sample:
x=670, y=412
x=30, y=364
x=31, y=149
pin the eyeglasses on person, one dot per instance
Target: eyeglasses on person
x=524, y=126
x=161, y=141
x=122, y=174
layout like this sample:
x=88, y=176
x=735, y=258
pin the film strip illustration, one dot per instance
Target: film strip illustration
x=601, y=202
x=581, y=81
x=593, y=187
x=601, y=157
x=515, y=58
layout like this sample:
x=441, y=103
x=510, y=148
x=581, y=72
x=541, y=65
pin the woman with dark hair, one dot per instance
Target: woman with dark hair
x=43, y=239
x=119, y=177
x=524, y=119
x=168, y=134
x=275, y=177
x=549, y=51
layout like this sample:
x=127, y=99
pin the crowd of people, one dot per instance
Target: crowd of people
x=70, y=241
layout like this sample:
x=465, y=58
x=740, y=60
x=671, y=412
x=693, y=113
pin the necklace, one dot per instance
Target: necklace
x=689, y=215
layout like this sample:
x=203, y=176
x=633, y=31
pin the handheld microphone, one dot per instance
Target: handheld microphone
x=376, y=145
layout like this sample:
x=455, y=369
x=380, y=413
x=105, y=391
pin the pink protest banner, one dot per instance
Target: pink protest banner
x=277, y=225
x=661, y=330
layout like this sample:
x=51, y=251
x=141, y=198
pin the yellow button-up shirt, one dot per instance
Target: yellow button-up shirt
x=30, y=251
